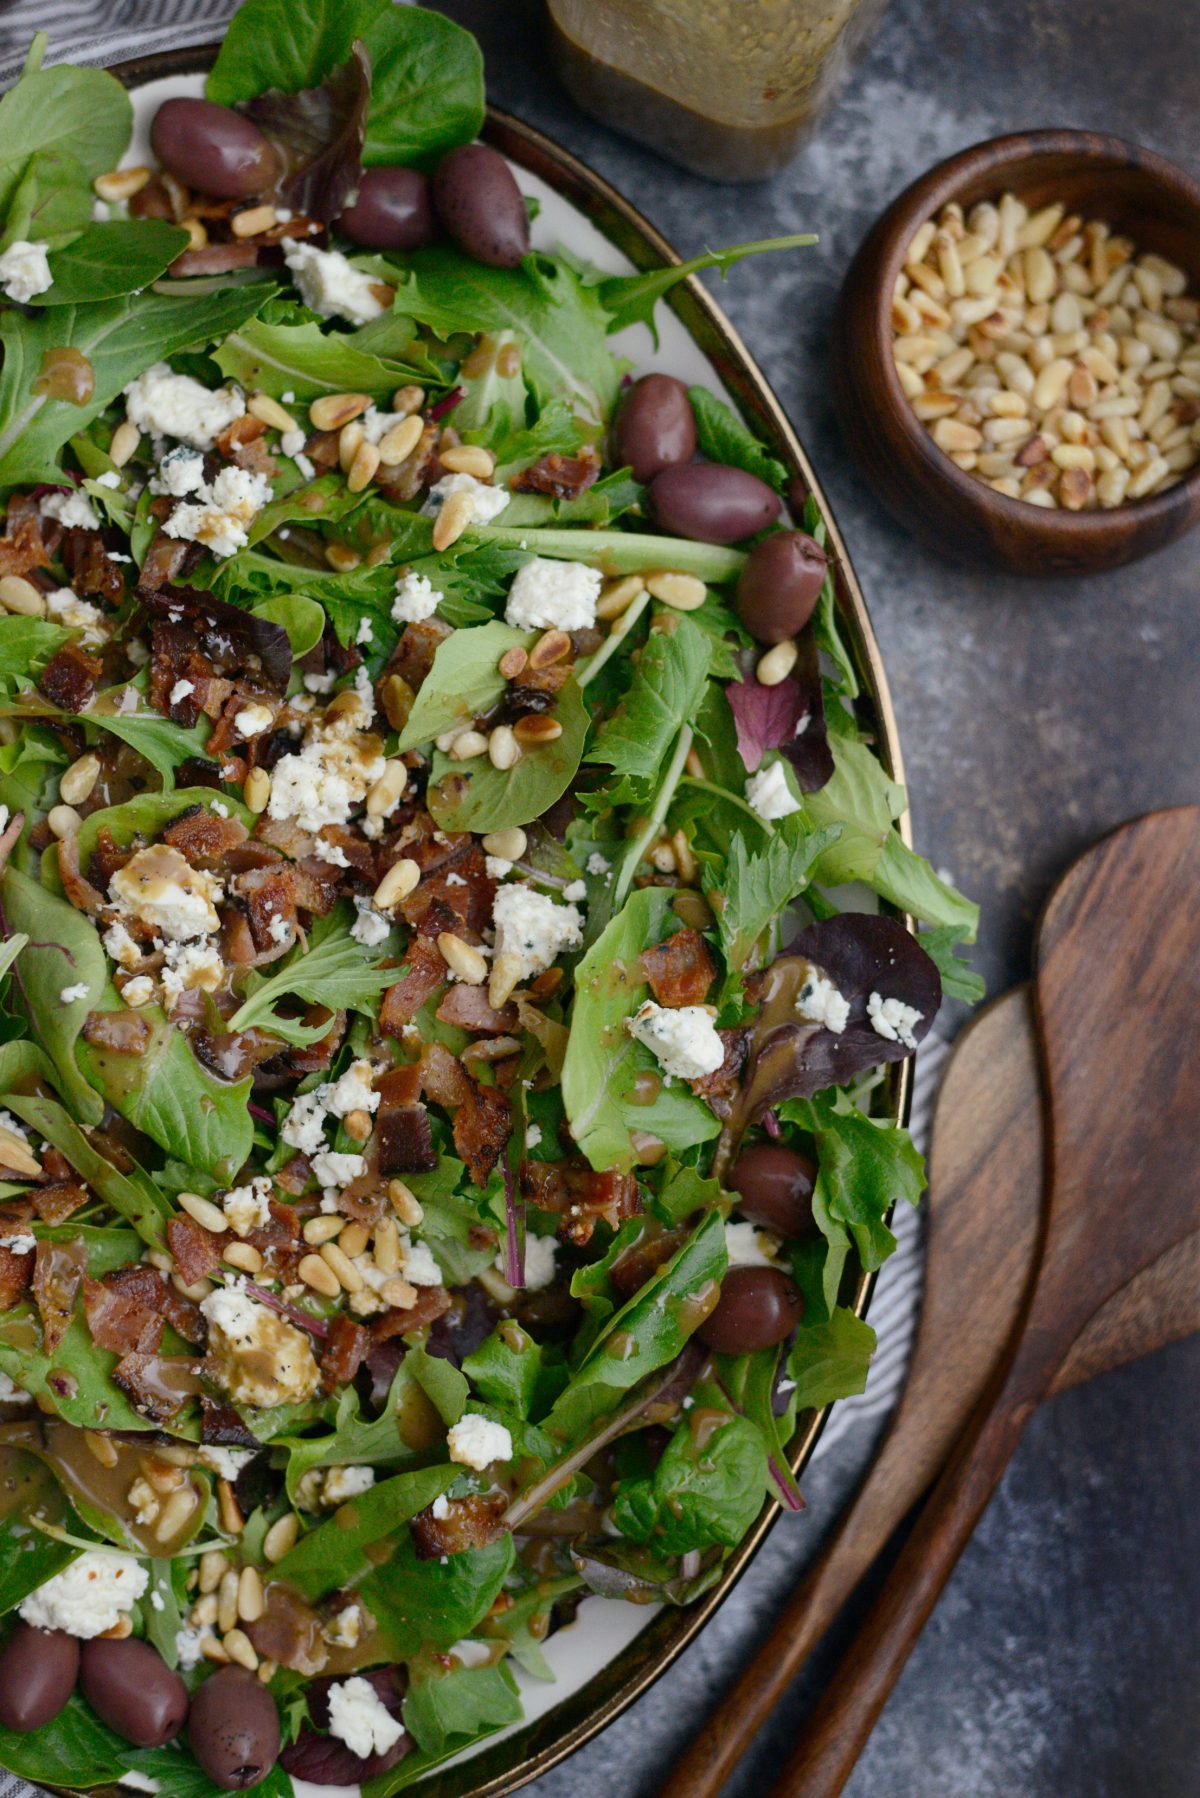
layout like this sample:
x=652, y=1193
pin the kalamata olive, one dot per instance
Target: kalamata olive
x=393, y=210
x=131, y=1688
x=758, y=1306
x=480, y=204
x=655, y=428
x=233, y=1729
x=780, y=584
x=775, y=1187
x=38, y=1668
x=213, y=148
x=713, y=503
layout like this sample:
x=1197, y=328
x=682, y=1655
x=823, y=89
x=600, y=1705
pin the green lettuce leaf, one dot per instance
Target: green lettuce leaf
x=722, y=437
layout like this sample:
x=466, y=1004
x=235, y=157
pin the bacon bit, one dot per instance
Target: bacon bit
x=457, y=898
x=16, y=1271
x=157, y=1385
x=220, y=1423
x=169, y=559
x=58, y=1273
x=241, y=442
x=183, y=1315
x=21, y=547
x=70, y=678
x=413, y=655
x=431, y=1303
x=56, y=1202
x=469, y=1523
x=405, y=1140
x=345, y=1351
x=107, y=857
x=580, y=1195
x=197, y=1251
x=80, y=891
x=399, y=1085
x=223, y=258
x=467, y=1007
x=202, y=837
x=124, y=1309
x=681, y=970
x=482, y=1126
x=559, y=476
x=422, y=973
x=278, y=1241
x=124, y=1032
x=94, y=574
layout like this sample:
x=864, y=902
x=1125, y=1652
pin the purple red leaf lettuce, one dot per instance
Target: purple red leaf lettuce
x=320, y=132
x=790, y=716
x=226, y=634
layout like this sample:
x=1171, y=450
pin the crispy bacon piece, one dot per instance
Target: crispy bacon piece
x=413, y=655
x=21, y=547
x=169, y=559
x=457, y=897
x=681, y=970
x=58, y=1273
x=70, y=678
x=430, y=1304
x=482, y=1126
x=80, y=891
x=443, y=1076
x=124, y=1032
x=278, y=1241
x=16, y=1271
x=719, y=1086
x=175, y=658
x=558, y=476
x=405, y=1140
x=202, y=837
x=344, y=1352
x=468, y=1008
x=314, y=1058
x=580, y=1195
x=399, y=1085
x=223, y=258
x=405, y=481
x=241, y=442
x=94, y=574
x=157, y=1385
x=124, y=1309
x=55, y=1203
x=197, y=1251
x=183, y=1315
x=106, y=858
x=469, y=1523
x=222, y=1425
x=421, y=974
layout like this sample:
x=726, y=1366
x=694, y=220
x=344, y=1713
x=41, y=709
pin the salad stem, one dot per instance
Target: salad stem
x=616, y=636
x=617, y=552
x=654, y=822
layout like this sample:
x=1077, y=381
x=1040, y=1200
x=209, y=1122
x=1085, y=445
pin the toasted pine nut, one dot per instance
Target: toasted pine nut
x=684, y=592
x=102, y=1447
x=174, y=1514
x=388, y=790
x=506, y=972
x=213, y=1566
x=79, y=779
x=618, y=596
x=387, y=1247
x=662, y=857
x=63, y=820
x=777, y=664
x=323, y=1229
x=121, y=184
x=509, y=844
x=250, y=1595
x=341, y=1265
x=400, y=880
x=503, y=749
x=206, y=1214
x=357, y=1125
x=204, y=1611
x=456, y=513
x=240, y=1649
x=467, y=744
x=15, y=1154
x=21, y=596
x=405, y=1203
x=123, y=444
x=320, y=1276
x=252, y=221
x=342, y=557
x=256, y=790
x=462, y=959
x=535, y=728
x=333, y=410
x=280, y=1539
x=245, y=1256
x=350, y=438
x=408, y=399
x=398, y=444
x=494, y=1048
x=398, y=1292
x=469, y=458
x=513, y=662
x=353, y=1239
x=553, y=646
x=213, y=1649
x=685, y=861
x=261, y=405
x=122, y=1628
x=363, y=468
x=228, y=1510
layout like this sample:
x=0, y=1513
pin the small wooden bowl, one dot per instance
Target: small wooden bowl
x=1136, y=192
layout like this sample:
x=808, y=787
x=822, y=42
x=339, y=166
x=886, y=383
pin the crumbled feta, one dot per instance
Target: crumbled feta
x=252, y=720
x=262, y=1359
x=142, y=1782
x=332, y=853
x=292, y=443
x=540, y=1252
x=533, y=1136
x=222, y=512
x=416, y=598
x=440, y=1506
x=189, y=1647
x=321, y=783
x=248, y=1207
x=63, y=606
x=162, y=890
x=822, y=1003
x=532, y=927
x=359, y=1718
x=576, y=892
x=304, y=1126
x=25, y=270
x=487, y=501
x=365, y=633
x=74, y=510
x=88, y=1597
x=370, y=927
x=330, y=286
x=598, y=864
x=332, y=1169
x=344, y=1630
x=748, y=1246
x=342, y=1483
x=553, y=595
x=69, y=994
x=226, y=1463
x=768, y=793
x=180, y=472
x=165, y=404
x=181, y=691
x=476, y=1442
x=189, y=966
x=682, y=1037
x=352, y=1092
x=11, y=1394
x=497, y=866
x=21, y=1243
x=417, y=1263
x=138, y=991
x=893, y=1020
x=112, y=480
x=120, y=946
x=278, y=929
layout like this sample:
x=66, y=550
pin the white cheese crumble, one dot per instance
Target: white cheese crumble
x=248, y=1207
x=748, y=1246
x=487, y=501
x=165, y=404
x=22, y=1243
x=440, y=1507
x=65, y=607
x=342, y=1483
x=471, y=1654
x=550, y=595
x=138, y=991
x=252, y=720
x=370, y=927
x=25, y=270
x=189, y=1647
x=262, y=1359
x=120, y=946
x=189, y=966
x=497, y=866
x=180, y=472
x=682, y=1037
x=160, y=888
x=359, y=1718
x=338, y=1170
x=74, y=510
x=768, y=793
x=532, y=927
x=11, y=1394
x=576, y=892
x=540, y=1252
x=182, y=690
x=222, y=512
x=822, y=1003
x=330, y=286
x=226, y=1463
x=304, y=1126
x=88, y=1597
x=893, y=1020
x=598, y=864
x=321, y=783
x=69, y=994
x=365, y=633
x=352, y=1092
x=417, y=1263
x=476, y=1442
x=416, y=599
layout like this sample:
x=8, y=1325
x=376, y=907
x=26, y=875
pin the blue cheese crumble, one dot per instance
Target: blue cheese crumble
x=683, y=1038
x=768, y=793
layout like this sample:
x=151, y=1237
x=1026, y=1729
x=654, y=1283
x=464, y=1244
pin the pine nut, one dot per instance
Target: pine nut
x=951, y=434
x=253, y=221
x=250, y=1602
x=513, y=662
x=683, y=592
x=122, y=1628
x=387, y=1247
x=240, y=1649
x=342, y=558
x=618, y=596
x=207, y=1215
x=262, y=406
x=123, y=445
x=1040, y=227
x=121, y=184
x=506, y=972
x=685, y=861
x=462, y=959
x=399, y=1293
x=1147, y=478
x=503, y=749
x=64, y=820
x=456, y=513
x=467, y=745
x=256, y=790
x=174, y=1514
x=777, y=664
x=79, y=779
x=333, y=410
x=320, y=1276
x=15, y=1154
x=323, y=1229
x=197, y=232
x=280, y=1539
x=469, y=458
x=535, y=729
x=405, y=1204
x=204, y=1611
x=401, y=879
x=213, y=1566
x=398, y=444
x=102, y=1448
x=245, y=1256
x=363, y=468
x=662, y=857
x=213, y=1650
x=21, y=596
x=408, y=399
x=553, y=646
x=354, y=1238
x=509, y=844
x=341, y=1265
x=350, y=437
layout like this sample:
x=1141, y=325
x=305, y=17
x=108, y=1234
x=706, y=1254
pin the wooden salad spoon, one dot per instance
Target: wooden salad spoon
x=1118, y=1001
x=985, y=1189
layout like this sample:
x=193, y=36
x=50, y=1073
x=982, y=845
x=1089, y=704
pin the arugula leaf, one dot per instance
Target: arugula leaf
x=355, y=1440
x=121, y=338
x=106, y=260
x=722, y=437
x=29, y=770
x=441, y=1382
x=492, y=407
x=164, y=1620
x=76, y=1382
x=445, y=1708
x=465, y=680
x=477, y=796
x=51, y=202
x=708, y=1487
x=959, y=979
x=26, y=645
x=755, y=886
x=603, y=1060
x=630, y=299
x=306, y=361
x=664, y=695
x=510, y=1369
x=830, y=1360
x=28, y=1557
x=63, y=950
x=334, y=971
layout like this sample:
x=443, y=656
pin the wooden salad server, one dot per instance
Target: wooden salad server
x=1118, y=1000
x=985, y=1191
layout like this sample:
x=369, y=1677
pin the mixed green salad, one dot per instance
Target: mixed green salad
x=451, y=931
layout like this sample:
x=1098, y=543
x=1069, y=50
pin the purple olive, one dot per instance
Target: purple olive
x=38, y=1668
x=780, y=584
x=213, y=149
x=758, y=1306
x=233, y=1729
x=775, y=1187
x=655, y=428
x=712, y=503
x=131, y=1688
x=392, y=211
x=480, y=204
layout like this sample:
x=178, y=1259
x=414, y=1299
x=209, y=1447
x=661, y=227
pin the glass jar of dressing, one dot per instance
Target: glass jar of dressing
x=728, y=88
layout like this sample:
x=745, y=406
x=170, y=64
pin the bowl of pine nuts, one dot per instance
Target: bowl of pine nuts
x=1017, y=353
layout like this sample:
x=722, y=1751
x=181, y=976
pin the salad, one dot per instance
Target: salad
x=451, y=932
